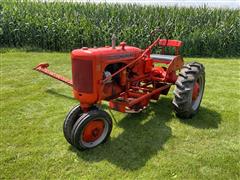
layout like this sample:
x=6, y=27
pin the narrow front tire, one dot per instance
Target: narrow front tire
x=91, y=129
x=69, y=122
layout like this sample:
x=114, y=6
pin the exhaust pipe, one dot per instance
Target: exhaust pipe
x=114, y=41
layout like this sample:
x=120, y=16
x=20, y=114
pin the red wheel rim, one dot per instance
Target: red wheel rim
x=93, y=130
x=196, y=90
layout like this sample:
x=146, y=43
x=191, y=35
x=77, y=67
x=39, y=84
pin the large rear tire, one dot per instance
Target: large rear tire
x=189, y=90
x=91, y=129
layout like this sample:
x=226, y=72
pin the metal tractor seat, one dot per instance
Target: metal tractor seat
x=165, y=58
x=162, y=57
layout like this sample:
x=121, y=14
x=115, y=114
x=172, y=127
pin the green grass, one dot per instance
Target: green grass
x=150, y=145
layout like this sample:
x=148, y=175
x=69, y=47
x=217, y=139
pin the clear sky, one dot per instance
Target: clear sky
x=235, y=4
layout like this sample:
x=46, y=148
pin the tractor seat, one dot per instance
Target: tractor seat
x=162, y=57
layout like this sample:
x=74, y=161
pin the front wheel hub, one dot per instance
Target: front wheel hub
x=93, y=130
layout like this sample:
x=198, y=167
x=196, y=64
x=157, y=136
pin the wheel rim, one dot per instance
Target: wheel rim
x=197, y=93
x=94, y=132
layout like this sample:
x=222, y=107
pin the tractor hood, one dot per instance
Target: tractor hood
x=106, y=53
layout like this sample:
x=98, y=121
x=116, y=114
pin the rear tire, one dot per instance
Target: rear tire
x=91, y=129
x=189, y=90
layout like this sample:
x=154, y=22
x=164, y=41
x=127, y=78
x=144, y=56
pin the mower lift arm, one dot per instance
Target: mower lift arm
x=43, y=69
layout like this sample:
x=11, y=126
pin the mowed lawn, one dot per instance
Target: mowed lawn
x=151, y=145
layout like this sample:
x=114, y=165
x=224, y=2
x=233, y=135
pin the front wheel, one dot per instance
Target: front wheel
x=71, y=119
x=91, y=129
x=189, y=90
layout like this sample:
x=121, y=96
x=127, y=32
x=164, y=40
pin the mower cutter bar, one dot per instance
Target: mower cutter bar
x=43, y=69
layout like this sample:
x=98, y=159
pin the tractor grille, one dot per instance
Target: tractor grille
x=82, y=74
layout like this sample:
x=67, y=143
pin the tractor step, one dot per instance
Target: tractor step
x=123, y=107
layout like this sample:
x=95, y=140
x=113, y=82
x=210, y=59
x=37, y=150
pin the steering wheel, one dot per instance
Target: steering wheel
x=157, y=30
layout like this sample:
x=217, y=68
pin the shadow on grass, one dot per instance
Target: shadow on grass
x=204, y=119
x=54, y=93
x=143, y=136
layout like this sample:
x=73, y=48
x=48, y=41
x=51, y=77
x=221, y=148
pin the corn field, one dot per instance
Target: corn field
x=63, y=26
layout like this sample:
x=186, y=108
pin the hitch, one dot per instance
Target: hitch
x=43, y=69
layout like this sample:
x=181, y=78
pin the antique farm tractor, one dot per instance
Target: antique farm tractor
x=128, y=78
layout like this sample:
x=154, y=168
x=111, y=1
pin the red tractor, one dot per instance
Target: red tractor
x=128, y=78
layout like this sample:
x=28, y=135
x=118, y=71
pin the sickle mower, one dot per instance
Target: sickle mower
x=128, y=78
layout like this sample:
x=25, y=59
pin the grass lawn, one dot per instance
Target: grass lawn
x=151, y=145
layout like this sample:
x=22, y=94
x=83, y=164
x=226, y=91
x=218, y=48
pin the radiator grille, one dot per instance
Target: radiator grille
x=82, y=74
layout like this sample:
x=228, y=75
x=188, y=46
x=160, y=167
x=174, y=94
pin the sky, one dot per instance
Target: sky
x=232, y=4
